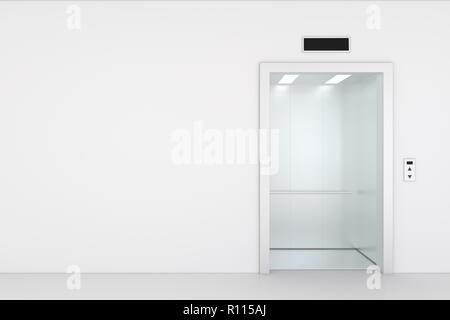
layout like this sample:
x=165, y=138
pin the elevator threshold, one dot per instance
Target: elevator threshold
x=318, y=259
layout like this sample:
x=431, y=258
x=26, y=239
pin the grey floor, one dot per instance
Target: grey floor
x=276, y=285
x=301, y=259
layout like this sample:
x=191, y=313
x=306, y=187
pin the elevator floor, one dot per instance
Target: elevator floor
x=329, y=259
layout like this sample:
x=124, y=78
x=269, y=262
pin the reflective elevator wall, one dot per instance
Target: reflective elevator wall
x=325, y=204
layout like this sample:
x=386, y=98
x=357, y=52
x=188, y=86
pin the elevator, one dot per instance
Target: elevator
x=326, y=200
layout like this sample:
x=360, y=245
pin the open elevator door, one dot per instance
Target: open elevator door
x=328, y=204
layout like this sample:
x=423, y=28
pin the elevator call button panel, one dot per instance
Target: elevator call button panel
x=409, y=169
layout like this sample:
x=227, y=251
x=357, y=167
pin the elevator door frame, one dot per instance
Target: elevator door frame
x=386, y=69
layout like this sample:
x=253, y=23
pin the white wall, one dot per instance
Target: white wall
x=86, y=116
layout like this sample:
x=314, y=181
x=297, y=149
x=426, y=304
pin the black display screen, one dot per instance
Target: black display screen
x=326, y=44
